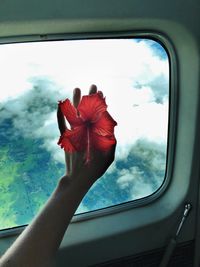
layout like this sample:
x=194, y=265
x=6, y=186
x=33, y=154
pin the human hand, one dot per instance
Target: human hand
x=75, y=161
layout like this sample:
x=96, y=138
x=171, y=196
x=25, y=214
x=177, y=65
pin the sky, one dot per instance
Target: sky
x=134, y=77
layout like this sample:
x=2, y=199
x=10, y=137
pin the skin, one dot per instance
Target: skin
x=39, y=242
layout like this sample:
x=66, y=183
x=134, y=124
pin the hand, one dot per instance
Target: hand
x=75, y=162
x=56, y=215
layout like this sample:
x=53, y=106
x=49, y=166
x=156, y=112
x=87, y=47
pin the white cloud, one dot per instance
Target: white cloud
x=133, y=179
x=133, y=79
x=128, y=176
x=147, y=173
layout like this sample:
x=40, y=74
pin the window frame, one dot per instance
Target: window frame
x=172, y=114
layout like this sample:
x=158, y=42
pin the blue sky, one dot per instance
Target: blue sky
x=156, y=47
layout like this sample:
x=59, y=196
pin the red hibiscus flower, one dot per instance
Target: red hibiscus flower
x=92, y=127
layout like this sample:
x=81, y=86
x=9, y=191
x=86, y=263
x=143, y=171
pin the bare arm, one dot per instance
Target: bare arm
x=38, y=244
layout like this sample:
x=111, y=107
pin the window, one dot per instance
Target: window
x=134, y=76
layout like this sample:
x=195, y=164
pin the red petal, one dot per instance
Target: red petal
x=70, y=112
x=74, y=140
x=105, y=125
x=102, y=143
x=79, y=138
x=91, y=107
x=93, y=129
x=65, y=143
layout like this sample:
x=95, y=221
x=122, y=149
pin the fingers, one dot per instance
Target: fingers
x=110, y=157
x=93, y=89
x=100, y=93
x=61, y=121
x=77, y=94
x=60, y=118
x=76, y=97
x=112, y=152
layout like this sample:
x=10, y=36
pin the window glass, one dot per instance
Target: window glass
x=134, y=76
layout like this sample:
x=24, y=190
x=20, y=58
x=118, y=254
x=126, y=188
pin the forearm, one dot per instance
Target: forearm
x=38, y=244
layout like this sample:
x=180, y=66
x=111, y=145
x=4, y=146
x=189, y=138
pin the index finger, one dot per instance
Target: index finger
x=76, y=97
x=61, y=121
x=93, y=89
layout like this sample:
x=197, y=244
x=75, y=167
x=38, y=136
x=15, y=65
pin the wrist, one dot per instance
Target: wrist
x=79, y=183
